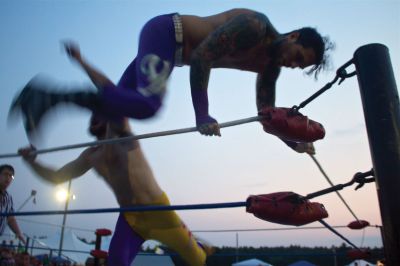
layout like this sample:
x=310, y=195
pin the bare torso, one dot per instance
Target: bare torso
x=125, y=169
x=123, y=166
x=197, y=29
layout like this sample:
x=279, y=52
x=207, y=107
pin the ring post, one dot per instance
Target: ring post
x=380, y=101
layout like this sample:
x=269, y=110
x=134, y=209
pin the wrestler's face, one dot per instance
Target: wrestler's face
x=97, y=126
x=6, y=177
x=292, y=54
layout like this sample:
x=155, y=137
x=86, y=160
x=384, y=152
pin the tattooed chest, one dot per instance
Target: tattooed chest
x=255, y=60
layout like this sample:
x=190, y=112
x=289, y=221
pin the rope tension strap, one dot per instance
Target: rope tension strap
x=360, y=178
x=341, y=74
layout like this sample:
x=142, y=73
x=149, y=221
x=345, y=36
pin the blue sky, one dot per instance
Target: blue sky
x=192, y=168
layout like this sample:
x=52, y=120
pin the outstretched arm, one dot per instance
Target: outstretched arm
x=98, y=78
x=71, y=170
x=238, y=34
x=265, y=97
x=12, y=223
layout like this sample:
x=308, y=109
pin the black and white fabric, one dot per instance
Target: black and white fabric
x=6, y=206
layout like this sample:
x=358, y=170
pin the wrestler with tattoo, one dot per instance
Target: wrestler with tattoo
x=238, y=39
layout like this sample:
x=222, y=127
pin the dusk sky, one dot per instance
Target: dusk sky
x=192, y=168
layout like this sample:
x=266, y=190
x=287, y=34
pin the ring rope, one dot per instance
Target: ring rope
x=55, y=225
x=330, y=228
x=359, y=177
x=202, y=230
x=331, y=183
x=136, y=137
x=265, y=229
x=160, y=208
x=134, y=209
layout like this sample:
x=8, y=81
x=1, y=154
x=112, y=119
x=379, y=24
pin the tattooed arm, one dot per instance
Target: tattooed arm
x=238, y=34
x=265, y=87
x=265, y=96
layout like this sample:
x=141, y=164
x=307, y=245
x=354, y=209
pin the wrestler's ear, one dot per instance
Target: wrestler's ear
x=293, y=36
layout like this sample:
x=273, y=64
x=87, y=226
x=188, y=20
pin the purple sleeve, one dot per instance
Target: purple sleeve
x=200, y=105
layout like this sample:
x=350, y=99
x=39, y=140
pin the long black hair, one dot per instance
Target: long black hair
x=310, y=38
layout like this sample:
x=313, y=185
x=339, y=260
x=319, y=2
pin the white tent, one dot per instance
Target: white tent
x=251, y=262
x=361, y=263
x=71, y=242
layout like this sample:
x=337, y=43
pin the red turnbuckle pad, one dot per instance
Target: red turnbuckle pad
x=289, y=124
x=359, y=253
x=103, y=232
x=100, y=254
x=356, y=225
x=286, y=208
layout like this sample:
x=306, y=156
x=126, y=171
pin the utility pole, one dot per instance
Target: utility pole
x=64, y=218
x=237, y=246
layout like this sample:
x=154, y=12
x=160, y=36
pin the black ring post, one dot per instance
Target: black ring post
x=380, y=101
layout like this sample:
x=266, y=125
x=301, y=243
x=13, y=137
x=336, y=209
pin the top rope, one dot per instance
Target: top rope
x=136, y=137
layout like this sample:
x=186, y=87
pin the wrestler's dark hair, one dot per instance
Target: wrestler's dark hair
x=6, y=166
x=310, y=38
x=100, y=131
